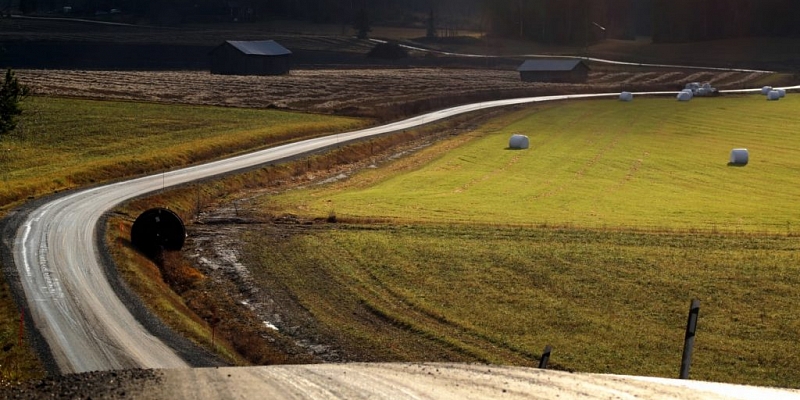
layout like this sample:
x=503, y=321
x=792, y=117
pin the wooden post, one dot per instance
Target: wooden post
x=545, y=357
x=688, y=343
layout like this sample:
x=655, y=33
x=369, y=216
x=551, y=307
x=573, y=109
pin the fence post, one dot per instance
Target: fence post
x=545, y=357
x=688, y=343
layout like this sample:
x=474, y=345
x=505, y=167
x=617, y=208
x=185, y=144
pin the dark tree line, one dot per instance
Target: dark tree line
x=694, y=20
x=580, y=21
x=548, y=21
x=560, y=21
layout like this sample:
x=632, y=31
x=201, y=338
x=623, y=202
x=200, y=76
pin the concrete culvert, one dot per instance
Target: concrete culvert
x=519, y=142
x=626, y=96
x=739, y=157
x=158, y=229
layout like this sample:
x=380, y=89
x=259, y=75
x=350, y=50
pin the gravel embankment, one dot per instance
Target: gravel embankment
x=134, y=383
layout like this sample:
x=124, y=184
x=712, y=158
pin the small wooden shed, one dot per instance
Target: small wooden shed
x=262, y=57
x=554, y=70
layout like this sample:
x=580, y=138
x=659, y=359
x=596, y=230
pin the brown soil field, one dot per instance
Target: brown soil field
x=378, y=93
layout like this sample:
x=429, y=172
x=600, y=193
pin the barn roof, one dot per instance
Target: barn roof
x=549, y=65
x=259, y=47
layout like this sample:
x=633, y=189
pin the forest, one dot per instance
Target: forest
x=547, y=21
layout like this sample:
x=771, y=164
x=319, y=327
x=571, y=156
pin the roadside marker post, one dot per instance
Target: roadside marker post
x=545, y=357
x=688, y=343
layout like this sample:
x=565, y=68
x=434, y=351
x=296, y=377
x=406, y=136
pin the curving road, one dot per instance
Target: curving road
x=86, y=325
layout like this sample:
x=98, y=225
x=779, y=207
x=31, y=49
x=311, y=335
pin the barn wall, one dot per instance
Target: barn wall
x=226, y=60
x=547, y=76
x=261, y=65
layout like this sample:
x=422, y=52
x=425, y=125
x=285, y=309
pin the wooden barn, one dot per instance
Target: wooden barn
x=263, y=57
x=554, y=70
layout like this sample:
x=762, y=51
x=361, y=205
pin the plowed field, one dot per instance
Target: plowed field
x=381, y=93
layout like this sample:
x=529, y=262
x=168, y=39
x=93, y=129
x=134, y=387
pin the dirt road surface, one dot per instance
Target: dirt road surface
x=377, y=381
x=436, y=381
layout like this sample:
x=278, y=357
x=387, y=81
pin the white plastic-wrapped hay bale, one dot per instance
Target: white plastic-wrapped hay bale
x=707, y=86
x=740, y=157
x=773, y=95
x=781, y=92
x=702, y=92
x=626, y=96
x=684, y=96
x=693, y=86
x=519, y=142
x=765, y=90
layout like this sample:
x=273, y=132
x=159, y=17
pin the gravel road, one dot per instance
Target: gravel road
x=378, y=381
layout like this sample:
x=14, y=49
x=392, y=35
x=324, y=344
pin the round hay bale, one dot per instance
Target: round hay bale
x=626, y=96
x=519, y=142
x=765, y=90
x=773, y=95
x=684, y=96
x=782, y=92
x=739, y=157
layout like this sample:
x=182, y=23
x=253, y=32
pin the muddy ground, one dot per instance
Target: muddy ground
x=215, y=247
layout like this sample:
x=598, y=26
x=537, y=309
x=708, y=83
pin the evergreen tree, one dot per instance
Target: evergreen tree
x=10, y=94
x=362, y=23
x=431, y=34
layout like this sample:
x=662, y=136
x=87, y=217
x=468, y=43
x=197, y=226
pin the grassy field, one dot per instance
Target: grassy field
x=62, y=144
x=653, y=164
x=65, y=143
x=594, y=241
x=608, y=302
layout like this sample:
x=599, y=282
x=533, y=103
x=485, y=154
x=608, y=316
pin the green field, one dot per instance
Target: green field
x=594, y=241
x=653, y=164
x=66, y=143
